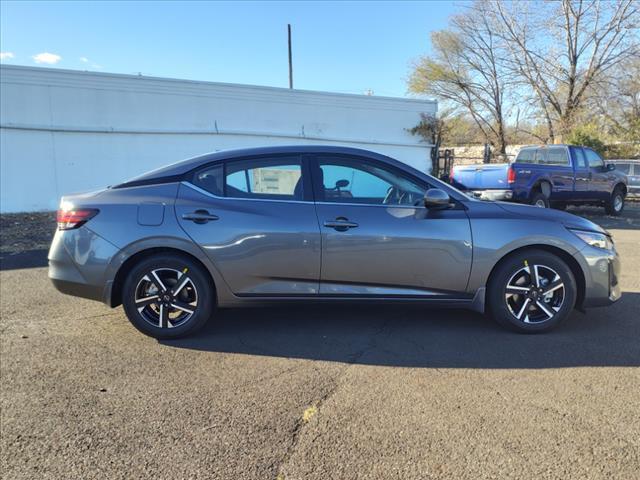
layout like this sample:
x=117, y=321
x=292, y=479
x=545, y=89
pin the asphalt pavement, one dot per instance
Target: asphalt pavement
x=328, y=392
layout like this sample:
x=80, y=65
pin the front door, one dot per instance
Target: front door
x=598, y=176
x=256, y=221
x=378, y=239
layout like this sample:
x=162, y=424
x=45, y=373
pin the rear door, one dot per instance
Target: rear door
x=557, y=166
x=256, y=221
x=582, y=173
x=377, y=238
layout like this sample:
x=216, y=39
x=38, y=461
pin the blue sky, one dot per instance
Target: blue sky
x=348, y=47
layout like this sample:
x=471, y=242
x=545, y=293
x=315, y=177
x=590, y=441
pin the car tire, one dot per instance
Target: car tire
x=518, y=309
x=168, y=296
x=539, y=199
x=615, y=205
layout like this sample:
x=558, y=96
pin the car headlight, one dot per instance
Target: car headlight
x=598, y=240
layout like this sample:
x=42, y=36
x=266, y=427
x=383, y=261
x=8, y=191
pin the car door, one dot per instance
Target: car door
x=377, y=237
x=598, y=176
x=558, y=166
x=582, y=173
x=256, y=221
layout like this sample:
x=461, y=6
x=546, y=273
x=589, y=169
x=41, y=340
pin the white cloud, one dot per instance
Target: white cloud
x=84, y=59
x=6, y=55
x=46, y=57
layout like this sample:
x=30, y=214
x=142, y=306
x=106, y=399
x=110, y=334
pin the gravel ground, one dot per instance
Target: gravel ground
x=20, y=232
x=318, y=392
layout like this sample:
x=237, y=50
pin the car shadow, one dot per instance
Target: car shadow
x=411, y=336
x=28, y=259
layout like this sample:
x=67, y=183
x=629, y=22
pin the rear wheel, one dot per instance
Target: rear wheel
x=531, y=292
x=168, y=296
x=539, y=199
x=615, y=205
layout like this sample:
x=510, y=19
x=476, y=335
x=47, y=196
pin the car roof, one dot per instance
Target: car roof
x=184, y=166
x=548, y=146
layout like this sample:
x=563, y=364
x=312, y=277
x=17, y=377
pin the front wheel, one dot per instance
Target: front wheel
x=168, y=296
x=531, y=292
x=615, y=205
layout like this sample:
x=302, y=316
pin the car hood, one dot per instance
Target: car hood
x=567, y=219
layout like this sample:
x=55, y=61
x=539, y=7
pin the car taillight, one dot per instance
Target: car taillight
x=70, y=219
x=511, y=175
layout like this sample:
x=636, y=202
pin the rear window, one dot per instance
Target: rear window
x=526, y=155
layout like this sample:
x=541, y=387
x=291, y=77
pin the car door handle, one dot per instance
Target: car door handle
x=340, y=224
x=199, y=216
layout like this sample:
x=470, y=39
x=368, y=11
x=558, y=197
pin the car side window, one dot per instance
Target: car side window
x=353, y=180
x=526, y=155
x=623, y=167
x=210, y=179
x=540, y=155
x=593, y=158
x=557, y=156
x=580, y=158
x=264, y=178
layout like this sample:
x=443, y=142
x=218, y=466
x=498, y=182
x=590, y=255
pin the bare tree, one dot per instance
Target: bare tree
x=617, y=101
x=466, y=71
x=562, y=49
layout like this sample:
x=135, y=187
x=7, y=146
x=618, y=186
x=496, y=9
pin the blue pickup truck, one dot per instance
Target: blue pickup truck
x=547, y=176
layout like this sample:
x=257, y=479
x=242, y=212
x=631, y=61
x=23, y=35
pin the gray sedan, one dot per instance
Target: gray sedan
x=321, y=224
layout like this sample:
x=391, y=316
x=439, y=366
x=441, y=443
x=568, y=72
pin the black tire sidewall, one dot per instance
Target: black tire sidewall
x=206, y=296
x=496, y=304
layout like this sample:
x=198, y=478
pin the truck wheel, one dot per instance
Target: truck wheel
x=615, y=205
x=538, y=199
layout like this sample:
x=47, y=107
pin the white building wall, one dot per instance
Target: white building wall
x=65, y=131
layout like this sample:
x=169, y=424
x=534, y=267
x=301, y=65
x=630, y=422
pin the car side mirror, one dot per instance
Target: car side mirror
x=610, y=167
x=342, y=183
x=436, y=199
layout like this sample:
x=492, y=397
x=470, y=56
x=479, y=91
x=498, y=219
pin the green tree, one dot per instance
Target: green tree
x=587, y=136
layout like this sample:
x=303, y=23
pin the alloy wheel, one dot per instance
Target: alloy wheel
x=166, y=298
x=534, y=294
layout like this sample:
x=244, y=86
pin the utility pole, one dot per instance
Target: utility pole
x=290, y=60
